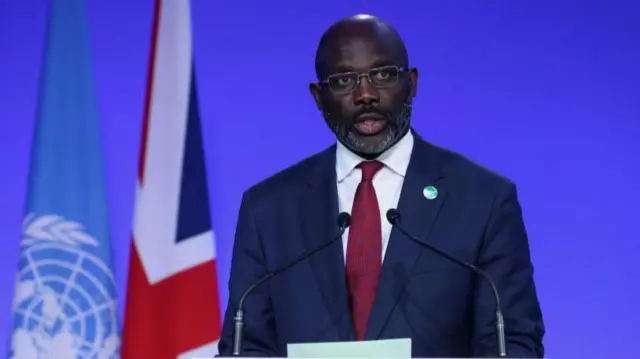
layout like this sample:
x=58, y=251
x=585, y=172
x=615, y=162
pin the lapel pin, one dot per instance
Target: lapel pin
x=430, y=192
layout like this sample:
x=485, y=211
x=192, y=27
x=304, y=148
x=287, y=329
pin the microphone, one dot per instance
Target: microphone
x=393, y=216
x=344, y=221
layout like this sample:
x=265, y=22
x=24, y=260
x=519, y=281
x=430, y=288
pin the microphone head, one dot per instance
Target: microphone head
x=344, y=220
x=393, y=216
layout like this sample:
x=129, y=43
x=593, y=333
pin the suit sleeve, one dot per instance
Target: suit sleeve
x=248, y=266
x=505, y=256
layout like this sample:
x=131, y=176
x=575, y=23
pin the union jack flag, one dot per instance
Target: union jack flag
x=172, y=306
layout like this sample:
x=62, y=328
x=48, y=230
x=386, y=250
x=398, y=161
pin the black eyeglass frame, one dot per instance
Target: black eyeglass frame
x=400, y=70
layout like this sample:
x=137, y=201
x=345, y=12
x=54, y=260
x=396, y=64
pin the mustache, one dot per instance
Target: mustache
x=368, y=111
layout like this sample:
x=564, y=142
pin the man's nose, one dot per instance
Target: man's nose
x=365, y=93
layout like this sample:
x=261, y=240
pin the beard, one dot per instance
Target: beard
x=398, y=124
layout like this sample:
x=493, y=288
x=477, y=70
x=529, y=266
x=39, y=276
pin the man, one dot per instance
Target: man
x=377, y=283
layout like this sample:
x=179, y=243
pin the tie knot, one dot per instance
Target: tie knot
x=369, y=169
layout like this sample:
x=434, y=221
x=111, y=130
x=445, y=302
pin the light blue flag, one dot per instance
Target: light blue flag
x=65, y=298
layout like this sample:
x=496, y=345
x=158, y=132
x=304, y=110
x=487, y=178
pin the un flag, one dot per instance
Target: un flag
x=65, y=297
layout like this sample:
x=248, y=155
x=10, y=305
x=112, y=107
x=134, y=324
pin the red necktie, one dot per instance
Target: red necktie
x=364, y=249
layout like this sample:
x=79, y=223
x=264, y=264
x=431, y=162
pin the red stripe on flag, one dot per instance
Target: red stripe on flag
x=173, y=316
x=149, y=94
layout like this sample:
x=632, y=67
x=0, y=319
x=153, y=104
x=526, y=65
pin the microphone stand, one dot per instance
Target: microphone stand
x=344, y=220
x=393, y=216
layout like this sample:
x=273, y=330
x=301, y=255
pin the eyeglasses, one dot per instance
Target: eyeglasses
x=380, y=77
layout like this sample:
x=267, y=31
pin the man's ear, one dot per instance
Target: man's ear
x=316, y=93
x=413, y=81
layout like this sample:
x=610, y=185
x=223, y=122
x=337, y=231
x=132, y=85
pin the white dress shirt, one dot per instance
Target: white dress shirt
x=387, y=182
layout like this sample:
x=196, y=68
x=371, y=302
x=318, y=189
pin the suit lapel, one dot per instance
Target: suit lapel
x=318, y=207
x=418, y=215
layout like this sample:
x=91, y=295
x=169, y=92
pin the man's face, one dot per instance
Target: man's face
x=367, y=114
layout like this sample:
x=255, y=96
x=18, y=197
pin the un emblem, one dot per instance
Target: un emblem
x=65, y=300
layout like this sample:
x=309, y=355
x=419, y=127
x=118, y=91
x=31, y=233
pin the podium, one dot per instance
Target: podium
x=385, y=348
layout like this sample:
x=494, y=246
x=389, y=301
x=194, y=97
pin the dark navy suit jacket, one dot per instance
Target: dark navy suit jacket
x=446, y=310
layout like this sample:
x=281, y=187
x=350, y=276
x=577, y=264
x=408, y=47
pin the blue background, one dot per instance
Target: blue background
x=545, y=92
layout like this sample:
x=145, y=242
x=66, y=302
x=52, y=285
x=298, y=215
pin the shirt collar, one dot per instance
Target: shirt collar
x=395, y=158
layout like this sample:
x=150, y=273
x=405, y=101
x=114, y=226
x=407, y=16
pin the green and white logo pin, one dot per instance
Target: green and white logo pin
x=430, y=192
